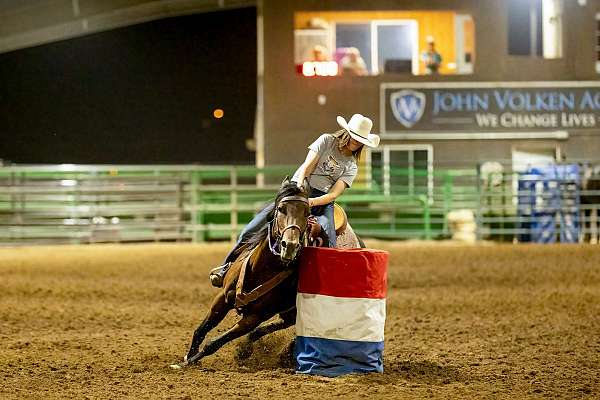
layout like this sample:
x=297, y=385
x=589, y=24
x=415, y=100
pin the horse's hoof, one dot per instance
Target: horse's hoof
x=181, y=365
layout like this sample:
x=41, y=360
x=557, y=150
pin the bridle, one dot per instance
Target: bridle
x=274, y=246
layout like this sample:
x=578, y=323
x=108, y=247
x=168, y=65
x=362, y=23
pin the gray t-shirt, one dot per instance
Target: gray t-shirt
x=331, y=165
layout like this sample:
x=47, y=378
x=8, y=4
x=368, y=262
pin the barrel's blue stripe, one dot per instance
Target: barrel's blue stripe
x=329, y=357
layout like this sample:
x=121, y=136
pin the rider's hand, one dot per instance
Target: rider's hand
x=311, y=202
x=313, y=226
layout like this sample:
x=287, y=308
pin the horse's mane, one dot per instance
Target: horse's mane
x=288, y=189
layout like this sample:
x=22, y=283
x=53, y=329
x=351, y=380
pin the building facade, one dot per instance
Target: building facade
x=517, y=81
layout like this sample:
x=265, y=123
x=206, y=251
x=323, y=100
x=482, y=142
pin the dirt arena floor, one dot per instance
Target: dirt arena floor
x=488, y=321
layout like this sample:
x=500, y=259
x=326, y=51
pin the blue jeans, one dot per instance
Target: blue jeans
x=323, y=213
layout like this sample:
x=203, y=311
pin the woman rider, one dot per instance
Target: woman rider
x=330, y=167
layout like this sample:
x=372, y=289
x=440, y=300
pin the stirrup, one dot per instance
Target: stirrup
x=218, y=274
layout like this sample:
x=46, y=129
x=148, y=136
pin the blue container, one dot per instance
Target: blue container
x=548, y=203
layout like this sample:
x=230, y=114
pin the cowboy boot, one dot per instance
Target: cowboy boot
x=218, y=274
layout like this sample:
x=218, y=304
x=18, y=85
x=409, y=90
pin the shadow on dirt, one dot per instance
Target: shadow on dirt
x=277, y=353
x=423, y=372
x=273, y=353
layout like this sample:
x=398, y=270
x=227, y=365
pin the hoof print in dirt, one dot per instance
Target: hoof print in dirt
x=286, y=357
x=244, y=350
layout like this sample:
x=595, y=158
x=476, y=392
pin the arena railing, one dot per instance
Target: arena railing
x=543, y=202
x=127, y=203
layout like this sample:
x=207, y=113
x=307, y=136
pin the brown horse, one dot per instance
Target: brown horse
x=267, y=266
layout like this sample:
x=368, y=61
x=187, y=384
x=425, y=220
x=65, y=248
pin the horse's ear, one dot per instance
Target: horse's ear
x=286, y=181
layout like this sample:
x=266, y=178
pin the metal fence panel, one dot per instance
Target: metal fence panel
x=127, y=203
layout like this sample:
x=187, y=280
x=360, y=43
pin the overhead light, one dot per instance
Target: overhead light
x=218, y=113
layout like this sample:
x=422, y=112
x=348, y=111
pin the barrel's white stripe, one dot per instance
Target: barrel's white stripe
x=341, y=318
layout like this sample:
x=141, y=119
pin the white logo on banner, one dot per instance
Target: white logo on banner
x=408, y=106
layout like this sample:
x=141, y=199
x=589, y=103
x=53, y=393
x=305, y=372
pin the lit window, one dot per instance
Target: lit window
x=380, y=42
x=535, y=28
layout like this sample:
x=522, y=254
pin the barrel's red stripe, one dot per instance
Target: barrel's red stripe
x=358, y=273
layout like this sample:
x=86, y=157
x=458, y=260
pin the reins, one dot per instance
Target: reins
x=242, y=298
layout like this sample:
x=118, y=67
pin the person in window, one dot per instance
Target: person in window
x=431, y=58
x=353, y=64
x=320, y=53
x=330, y=167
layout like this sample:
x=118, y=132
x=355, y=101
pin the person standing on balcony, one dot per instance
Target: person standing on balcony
x=330, y=167
x=431, y=58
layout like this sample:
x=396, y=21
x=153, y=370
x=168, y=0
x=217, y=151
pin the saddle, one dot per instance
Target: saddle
x=340, y=218
x=346, y=238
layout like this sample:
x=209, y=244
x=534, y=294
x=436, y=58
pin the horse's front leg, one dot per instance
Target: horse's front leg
x=245, y=325
x=218, y=310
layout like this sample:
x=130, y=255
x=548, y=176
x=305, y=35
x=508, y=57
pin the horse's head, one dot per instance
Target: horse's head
x=291, y=217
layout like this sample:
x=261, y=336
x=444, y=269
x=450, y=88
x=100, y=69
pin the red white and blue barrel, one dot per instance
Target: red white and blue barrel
x=341, y=311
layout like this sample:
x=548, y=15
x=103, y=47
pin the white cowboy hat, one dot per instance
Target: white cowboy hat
x=359, y=128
